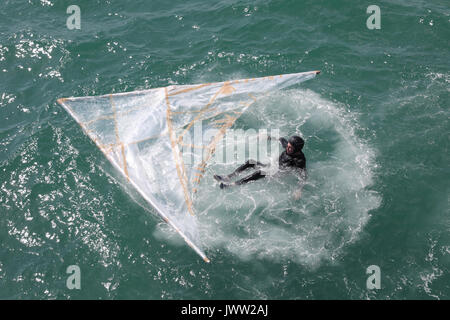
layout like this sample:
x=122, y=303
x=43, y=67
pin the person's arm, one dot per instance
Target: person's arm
x=298, y=193
x=302, y=180
x=283, y=142
x=302, y=175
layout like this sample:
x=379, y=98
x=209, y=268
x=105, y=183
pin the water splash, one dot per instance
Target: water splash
x=262, y=220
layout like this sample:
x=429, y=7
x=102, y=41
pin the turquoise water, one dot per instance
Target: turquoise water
x=375, y=123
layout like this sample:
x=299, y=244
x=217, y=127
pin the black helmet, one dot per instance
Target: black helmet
x=297, y=142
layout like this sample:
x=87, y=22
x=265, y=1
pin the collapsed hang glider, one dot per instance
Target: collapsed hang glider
x=137, y=131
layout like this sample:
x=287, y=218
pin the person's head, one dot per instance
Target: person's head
x=295, y=144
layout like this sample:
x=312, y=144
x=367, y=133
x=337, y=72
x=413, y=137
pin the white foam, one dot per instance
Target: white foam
x=262, y=220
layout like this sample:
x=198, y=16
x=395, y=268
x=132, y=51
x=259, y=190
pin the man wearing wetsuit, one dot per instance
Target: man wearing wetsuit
x=292, y=157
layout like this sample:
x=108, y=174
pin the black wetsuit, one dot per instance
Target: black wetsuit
x=294, y=160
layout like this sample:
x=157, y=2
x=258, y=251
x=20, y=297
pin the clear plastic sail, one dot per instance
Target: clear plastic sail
x=145, y=135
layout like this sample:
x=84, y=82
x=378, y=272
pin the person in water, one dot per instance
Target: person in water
x=291, y=157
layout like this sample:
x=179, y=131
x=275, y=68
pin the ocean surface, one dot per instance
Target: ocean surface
x=375, y=122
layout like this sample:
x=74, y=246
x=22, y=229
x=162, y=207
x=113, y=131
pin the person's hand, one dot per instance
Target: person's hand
x=297, y=194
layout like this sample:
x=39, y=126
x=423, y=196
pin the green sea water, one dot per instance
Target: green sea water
x=375, y=121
